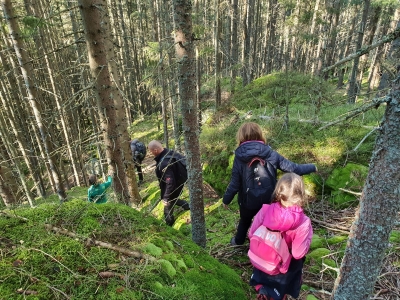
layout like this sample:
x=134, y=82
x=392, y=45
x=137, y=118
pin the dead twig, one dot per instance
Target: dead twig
x=90, y=241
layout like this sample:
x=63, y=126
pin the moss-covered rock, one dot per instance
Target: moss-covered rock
x=157, y=285
x=167, y=267
x=153, y=250
x=316, y=242
x=311, y=297
x=169, y=245
x=351, y=177
x=315, y=257
x=336, y=239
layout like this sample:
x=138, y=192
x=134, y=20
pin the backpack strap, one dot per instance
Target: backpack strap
x=256, y=158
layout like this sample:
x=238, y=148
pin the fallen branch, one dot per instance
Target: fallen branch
x=365, y=137
x=26, y=292
x=350, y=192
x=364, y=50
x=13, y=216
x=90, y=241
x=374, y=103
x=332, y=226
x=318, y=285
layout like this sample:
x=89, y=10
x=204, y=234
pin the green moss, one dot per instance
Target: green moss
x=167, y=267
x=337, y=239
x=311, y=297
x=314, y=259
x=157, y=285
x=189, y=261
x=350, y=177
x=180, y=265
x=153, y=250
x=169, y=245
x=395, y=237
x=329, y=262
x=317, y=254
x=313, y=184
x=316, y=242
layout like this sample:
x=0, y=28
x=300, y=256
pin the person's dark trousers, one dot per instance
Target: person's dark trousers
x=246, y=217
x=169, y=210
x=139, y=170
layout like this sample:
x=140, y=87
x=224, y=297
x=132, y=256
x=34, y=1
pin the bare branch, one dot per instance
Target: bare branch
x=364, y=50
x=374, y=103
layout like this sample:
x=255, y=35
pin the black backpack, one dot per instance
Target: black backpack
x=141, y=149
x=258, y=184
x=178, y=162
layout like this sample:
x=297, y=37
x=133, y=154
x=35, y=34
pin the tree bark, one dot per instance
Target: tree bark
x=96, y=33
x=354, y=86
x=184, y=48
x=234, y=44
x=217, y=34
x=376, y=216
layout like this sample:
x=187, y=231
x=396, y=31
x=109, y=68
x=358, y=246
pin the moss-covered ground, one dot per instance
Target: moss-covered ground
x=112, y=251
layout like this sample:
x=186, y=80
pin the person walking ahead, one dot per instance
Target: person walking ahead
x=97, y=191
x=168, y=178
x=252, y=145
x=138, y=150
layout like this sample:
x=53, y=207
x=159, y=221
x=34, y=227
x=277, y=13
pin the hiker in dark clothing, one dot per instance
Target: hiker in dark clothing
x=252, y=144
x=138, y=150
x=168, y=179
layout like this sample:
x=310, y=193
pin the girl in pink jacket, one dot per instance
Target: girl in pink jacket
x=281, y=274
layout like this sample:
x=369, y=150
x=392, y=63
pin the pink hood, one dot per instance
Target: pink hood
x=292, y=221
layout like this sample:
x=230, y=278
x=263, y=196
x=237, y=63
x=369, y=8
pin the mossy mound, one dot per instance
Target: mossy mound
x=316, y=242
x=337, y=239
x=315, y=259
x=38, y=259
x=351, y=177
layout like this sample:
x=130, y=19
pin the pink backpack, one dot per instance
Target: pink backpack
x=269, y=252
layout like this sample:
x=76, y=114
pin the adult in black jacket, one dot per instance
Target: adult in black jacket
x=138, y=150
x=252, y=144
x=167, y=174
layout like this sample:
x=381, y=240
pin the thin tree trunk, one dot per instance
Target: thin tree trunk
x=234, y=44
x=93, y=15
x=18, y=130
x=354, y=86
x=334, y=14
x=27, y=72
x=14, y=158
x=217, y=34
x=186, y=75
x=6, y=193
